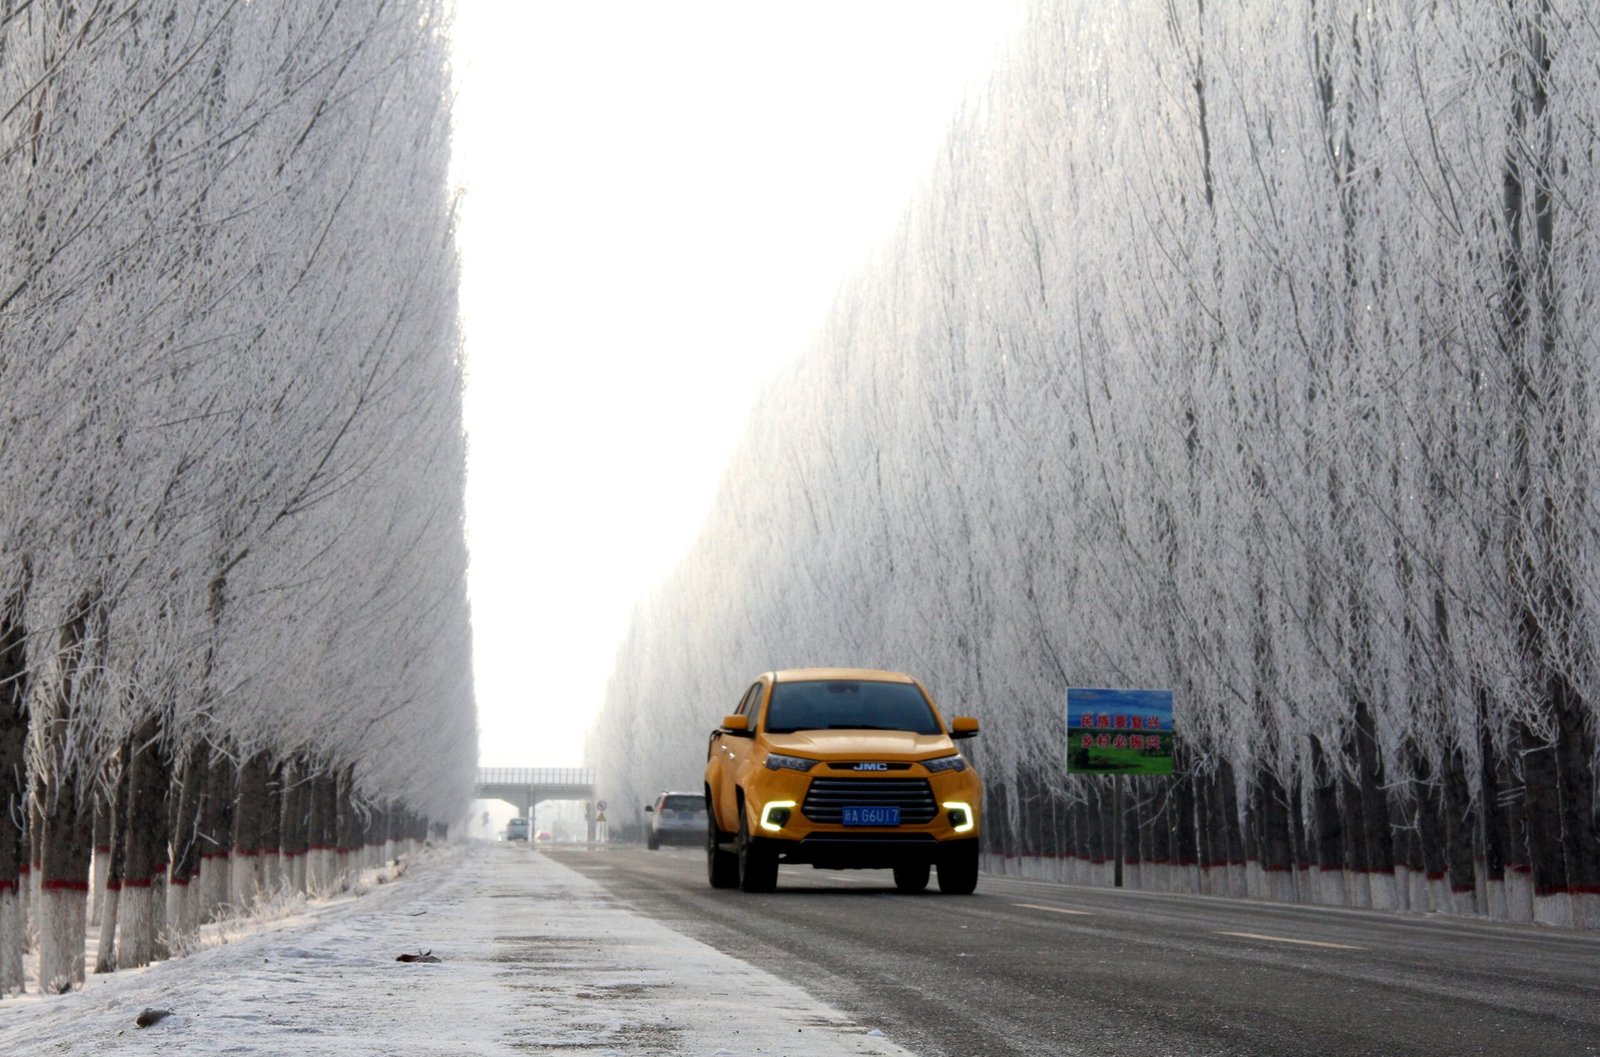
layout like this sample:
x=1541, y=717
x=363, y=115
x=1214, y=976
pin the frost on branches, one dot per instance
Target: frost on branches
x=1239, y=349
x=234, y=645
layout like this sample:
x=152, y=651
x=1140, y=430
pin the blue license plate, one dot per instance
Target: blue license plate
x=872, y=816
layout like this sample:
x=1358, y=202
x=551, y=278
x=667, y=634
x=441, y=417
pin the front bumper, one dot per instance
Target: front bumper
x=939, y=821
x=866, y=851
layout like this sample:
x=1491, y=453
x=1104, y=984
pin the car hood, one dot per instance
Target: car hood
x=862, y=744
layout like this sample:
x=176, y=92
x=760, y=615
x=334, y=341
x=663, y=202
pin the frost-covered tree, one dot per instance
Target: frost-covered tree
x=231, y=550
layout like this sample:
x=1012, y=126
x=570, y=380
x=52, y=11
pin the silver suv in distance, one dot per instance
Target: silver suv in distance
x=676, y=818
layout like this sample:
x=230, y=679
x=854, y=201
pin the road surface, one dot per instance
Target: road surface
x=1029, y=968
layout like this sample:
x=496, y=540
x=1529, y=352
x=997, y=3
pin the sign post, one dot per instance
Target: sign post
x=1119, y=732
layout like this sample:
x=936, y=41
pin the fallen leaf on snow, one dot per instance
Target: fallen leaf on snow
x=425, y=956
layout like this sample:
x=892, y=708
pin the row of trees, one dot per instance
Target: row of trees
x=1243, y=350
x=233, y=622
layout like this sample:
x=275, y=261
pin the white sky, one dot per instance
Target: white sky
x=660, y=201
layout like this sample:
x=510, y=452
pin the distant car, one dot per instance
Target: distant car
x=517, y=829
x=676, y=818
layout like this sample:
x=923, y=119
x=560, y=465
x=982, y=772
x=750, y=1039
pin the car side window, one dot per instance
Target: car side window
x=752, y=704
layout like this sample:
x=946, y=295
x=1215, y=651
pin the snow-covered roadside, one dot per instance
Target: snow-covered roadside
x=534, y=958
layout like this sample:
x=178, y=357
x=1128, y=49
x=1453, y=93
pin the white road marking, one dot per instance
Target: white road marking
x=1053, y=910
x=1286, y=939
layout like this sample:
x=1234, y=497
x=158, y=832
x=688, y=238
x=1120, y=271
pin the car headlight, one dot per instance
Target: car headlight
x=778, y=762
x=962, y=818
x=775, y=815
x=954, y=762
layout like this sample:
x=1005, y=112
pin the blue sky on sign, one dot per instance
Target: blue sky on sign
x=1146, y=703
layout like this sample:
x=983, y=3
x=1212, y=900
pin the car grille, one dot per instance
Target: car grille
x=828, y=797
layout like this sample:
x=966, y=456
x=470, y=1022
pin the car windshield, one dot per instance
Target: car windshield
x=683, y=803
x=849, y=704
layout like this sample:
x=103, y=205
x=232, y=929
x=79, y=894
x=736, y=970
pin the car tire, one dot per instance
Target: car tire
x=912, y=877
x=958, y=874
x=758, y=868
x=652, y=842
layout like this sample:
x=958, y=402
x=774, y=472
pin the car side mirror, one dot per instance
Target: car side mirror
x=738, y=726
x=964, y=727
x=649, y=810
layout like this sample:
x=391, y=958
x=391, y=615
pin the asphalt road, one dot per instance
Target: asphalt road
x=1030, y=968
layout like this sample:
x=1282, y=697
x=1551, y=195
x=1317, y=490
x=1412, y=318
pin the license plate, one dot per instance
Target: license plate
x=872, y=816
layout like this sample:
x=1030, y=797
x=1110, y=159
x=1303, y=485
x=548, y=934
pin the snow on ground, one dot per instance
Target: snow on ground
x=534, y=958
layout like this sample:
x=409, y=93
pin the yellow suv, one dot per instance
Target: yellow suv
x=842, y=768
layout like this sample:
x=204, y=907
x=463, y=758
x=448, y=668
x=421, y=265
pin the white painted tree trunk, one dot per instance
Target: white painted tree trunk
x=106, y=946
x=1554, y=909
x=62, y=928
x=1519, y=895
x=100, y=871
x=138, y=923
x=245, y=878
x=11, y=913
x=213, y=886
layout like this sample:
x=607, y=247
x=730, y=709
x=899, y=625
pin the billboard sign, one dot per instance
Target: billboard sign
x=1119, y=731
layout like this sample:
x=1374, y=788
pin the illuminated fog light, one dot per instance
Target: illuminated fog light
x=961, y=817
x=776, y=815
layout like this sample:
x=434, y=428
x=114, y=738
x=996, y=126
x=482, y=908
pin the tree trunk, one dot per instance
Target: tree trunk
x=296, y=825
x=1330, y=873
x=272, y=830
x=1185, y=852
x=1158, y=822
x=66, y=840
x=1460, y=830
x=183, y=904
x=1205, y=831
x=145, y=829
x=320, y=864
x=345, y=826
x=1580, y=826
x=1132, y=852
x=1496, y=835
x=1519, y=840
x=1082, y=846
x=101, y=829
x=249, y=824
x=216, y=835
x=1541, y=803
x=1274, y=842
x=116, y=865
x=1431, y=839
x=13, y=793
x=1232, y=831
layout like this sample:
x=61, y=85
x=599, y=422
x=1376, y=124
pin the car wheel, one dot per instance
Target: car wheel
x=958, y=875
x=912, y=877
x=758, y=869
x=652, y=842
x=722, y=867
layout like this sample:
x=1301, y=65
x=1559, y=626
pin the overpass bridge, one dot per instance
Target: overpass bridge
x=523, y=787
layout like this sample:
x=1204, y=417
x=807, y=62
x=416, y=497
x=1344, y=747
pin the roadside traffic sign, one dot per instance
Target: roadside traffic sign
x=1119, y=731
